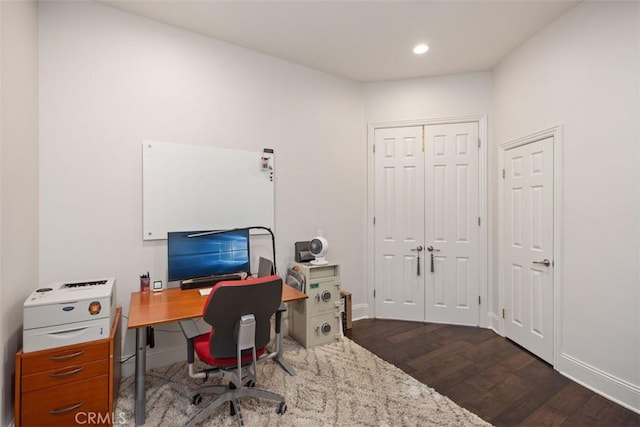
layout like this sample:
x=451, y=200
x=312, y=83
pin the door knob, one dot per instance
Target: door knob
x=419, y=249
x=544, y=262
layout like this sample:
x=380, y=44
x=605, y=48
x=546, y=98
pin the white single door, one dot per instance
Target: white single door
x=528, y=246
x=399, y=223
x=452, y=223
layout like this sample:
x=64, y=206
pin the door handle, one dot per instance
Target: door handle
x=544, y=262
x=418, y=249
x=432, y=250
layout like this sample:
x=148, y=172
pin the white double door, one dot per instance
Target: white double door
x=426, y=223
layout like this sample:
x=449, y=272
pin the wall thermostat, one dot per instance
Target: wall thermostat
x=157, y=285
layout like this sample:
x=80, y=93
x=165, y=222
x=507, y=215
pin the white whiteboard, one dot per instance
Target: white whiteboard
x=191, y=187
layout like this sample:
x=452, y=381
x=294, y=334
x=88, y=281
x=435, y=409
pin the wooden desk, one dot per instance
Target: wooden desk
x=171, y=305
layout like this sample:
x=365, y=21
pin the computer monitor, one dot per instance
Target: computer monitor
x=197, y=254
x=265, y=267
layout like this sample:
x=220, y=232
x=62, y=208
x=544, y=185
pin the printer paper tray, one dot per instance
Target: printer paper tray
x=60, y=335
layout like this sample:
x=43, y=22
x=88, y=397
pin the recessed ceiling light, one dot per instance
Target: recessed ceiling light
x=420, y=49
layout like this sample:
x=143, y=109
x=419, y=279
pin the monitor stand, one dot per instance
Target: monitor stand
x=209, y=281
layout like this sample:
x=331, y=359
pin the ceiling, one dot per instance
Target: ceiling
x=365, y=41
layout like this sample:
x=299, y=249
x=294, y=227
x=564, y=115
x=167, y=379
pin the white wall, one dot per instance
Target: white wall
x=583, y=72
x=18, y=180
x=109, y=80
x=433, y=97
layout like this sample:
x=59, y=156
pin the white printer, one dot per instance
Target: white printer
x=68, y=313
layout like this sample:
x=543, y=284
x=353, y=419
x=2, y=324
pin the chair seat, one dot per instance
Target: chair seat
x=201, y=347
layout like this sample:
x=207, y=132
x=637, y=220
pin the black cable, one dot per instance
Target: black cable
x=151, y=337
x=128, y=358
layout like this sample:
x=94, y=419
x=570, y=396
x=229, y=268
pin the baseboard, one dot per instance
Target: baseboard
x=495, y=323
x=603, y=383
x=360, y=311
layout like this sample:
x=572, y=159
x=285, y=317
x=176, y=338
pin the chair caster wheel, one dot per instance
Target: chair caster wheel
x=282, y=408
x=196, y=399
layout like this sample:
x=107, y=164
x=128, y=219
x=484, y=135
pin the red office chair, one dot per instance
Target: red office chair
x=239, y=313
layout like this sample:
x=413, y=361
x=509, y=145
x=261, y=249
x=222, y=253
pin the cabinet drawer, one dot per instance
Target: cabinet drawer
x=46, y=360
x=64, y=375
x=60, y=406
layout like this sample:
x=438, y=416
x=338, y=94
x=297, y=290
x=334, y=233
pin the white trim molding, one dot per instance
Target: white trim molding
x=483, y=205
x=359, y=311
x=613, y=388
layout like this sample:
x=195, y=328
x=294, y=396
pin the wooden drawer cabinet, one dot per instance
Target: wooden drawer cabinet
x=62, y=386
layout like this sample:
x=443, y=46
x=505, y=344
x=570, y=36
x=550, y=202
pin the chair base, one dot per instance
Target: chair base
x=228, y=395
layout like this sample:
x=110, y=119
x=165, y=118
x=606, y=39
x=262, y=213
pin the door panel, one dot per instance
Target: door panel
x=399, y=214
x=528, y=215
x=452, y=211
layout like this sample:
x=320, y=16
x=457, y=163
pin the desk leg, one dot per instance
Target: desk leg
x=278, y=356
x=141, y=366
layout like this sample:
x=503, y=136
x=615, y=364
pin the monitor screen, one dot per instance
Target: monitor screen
x=193, y=255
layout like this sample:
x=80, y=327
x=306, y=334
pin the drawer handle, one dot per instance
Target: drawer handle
x=65, y=410
x=67, y=356
x=66, y=373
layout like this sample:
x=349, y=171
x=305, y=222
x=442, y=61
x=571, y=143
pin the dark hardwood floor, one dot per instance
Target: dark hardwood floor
x=488, y=375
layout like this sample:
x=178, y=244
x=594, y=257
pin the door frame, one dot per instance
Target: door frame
x=485, y=223
x=497, y=322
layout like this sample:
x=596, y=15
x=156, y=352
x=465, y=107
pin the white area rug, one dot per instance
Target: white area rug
x=339, y=384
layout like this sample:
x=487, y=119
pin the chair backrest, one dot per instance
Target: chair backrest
x=229, y=301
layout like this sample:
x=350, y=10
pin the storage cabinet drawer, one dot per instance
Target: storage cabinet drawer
x=64, y=375
x=47, y=360
x=67, y=405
